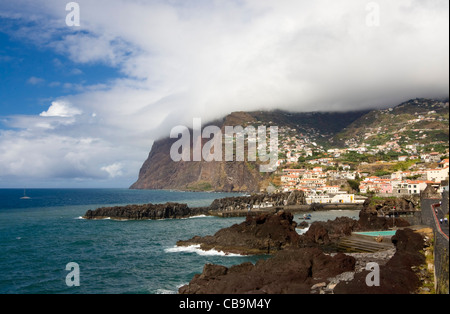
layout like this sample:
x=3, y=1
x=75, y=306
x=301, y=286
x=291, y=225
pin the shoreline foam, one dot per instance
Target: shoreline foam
x=195, y=248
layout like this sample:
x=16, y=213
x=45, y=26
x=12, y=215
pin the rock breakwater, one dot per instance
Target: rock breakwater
x=146, y=211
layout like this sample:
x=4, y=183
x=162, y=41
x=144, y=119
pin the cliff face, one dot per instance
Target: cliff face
x=159, y=171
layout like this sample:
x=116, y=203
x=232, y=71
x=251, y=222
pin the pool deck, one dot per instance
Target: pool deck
x=361, y=243
x=358, y=243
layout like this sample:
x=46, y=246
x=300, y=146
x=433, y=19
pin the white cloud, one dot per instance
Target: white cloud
x=205, y=59
x=113, y=170
x=76, y=72
x=25, y=155
x=210, y=58
x=35, y=80
x=54, y=84
x=61, y=109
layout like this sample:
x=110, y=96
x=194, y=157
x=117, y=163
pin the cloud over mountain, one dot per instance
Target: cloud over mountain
x=182, y=59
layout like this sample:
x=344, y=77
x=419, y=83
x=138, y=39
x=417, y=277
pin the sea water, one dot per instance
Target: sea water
x=41, y=235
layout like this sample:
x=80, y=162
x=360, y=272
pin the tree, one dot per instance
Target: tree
x=354, y=184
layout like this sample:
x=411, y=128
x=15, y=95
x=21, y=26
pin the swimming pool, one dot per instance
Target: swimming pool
x=386, y=233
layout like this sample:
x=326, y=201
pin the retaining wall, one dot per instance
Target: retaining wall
x=441, y=244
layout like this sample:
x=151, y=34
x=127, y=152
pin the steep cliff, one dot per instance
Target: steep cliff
x=159, y=171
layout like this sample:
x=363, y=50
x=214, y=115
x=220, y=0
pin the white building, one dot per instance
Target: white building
x=331, y=189
x=415, y=187
x=318, y=198
x=343, y=198
x=325, y=198
x=437, y=175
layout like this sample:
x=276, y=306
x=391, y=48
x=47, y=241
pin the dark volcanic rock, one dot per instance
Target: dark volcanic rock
x=147, y=211
x=299, y=264
x=175, y=210
x=263, y=233
x=291, y=271
x=303, y=225
x=256, y=200
x=408, y=246
x=397, y=276
x=374, y=215
x=325, y=233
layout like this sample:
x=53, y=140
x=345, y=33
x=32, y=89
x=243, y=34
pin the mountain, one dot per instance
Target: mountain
x=418, y=122
x=415, y=125
x=159, y=171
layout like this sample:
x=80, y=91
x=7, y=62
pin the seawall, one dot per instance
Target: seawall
x=441, y=243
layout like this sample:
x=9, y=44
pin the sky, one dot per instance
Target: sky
x=80, y=106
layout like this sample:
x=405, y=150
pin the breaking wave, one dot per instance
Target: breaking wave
x=196, y=249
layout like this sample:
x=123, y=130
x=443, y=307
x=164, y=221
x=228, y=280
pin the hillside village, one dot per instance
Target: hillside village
x=395, y=158
x=334, y=157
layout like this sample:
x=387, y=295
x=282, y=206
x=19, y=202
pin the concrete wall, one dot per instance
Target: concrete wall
x=441, y=264
x=415, y=219
x=441, y=245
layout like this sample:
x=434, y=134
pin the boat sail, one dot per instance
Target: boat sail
x=25, y=197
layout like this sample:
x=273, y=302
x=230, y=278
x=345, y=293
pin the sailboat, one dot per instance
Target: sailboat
x=25, y=197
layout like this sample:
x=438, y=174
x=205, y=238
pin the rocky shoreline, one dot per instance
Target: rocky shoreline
x=311, y=271
x=238, y=206
x=233, y=206
x=145, y=212
x=267, y=233
x=309, y=263
x=262, y=234
x=302, y=267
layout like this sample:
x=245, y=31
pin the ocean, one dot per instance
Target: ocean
x=42, y=235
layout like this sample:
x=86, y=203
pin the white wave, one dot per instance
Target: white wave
x=196, y=249
x=181, y=285
x=302, y=231
x=170, y=291
x=198, y=216
x=106, y=218
x=165, y=291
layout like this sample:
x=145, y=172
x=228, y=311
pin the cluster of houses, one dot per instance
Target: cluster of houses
x=397, y=183
x=315, y=183
x=295, y=145
x=323, y=183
